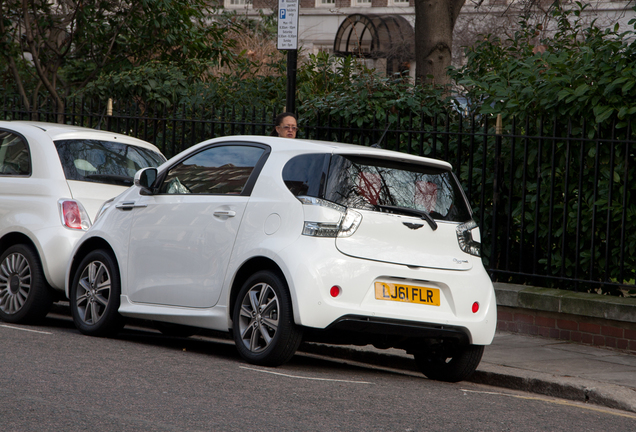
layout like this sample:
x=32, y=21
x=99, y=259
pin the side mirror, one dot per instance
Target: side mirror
x=144, y=178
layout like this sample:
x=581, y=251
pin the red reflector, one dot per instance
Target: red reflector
x=335, y=291
x=72, y=217
x=475, y=307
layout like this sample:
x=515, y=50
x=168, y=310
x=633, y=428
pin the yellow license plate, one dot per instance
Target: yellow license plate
x=407, y=293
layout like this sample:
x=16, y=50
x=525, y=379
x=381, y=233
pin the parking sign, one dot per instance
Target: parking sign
x=287, y=24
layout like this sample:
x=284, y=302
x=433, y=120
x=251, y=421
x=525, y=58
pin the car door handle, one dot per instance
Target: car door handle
x=126, y=206
x=226, y=213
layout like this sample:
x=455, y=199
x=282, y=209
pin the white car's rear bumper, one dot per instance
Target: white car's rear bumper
x=314, y=307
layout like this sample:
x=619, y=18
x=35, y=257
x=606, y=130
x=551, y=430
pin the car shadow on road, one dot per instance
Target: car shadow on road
x=210, y=342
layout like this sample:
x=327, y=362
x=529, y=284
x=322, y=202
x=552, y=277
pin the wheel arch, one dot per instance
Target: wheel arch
x=14, y=238
x=90, y=244
x=247, y=269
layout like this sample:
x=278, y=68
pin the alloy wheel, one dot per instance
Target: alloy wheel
x=93, y=292
x=258, y=318
x=15, y=283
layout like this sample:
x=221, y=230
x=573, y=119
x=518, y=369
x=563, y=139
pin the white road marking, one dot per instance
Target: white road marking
x=26, y=330
x=305, y=378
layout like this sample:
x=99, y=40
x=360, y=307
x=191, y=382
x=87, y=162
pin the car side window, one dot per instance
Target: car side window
x=223, y=170
x=306, y=174
x=14, y=155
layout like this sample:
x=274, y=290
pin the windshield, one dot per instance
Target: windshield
x=384, y=185
x=104, y=161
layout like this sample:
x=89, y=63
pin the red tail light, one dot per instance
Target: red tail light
x=73, y=215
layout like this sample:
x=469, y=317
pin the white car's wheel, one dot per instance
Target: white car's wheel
x=451, y=365
x=24, y=294
x=94, y=295
x=263, y=324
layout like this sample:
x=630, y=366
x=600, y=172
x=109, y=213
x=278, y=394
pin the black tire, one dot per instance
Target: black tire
x=94, y=295
x=25, y=296
x=263, y=323
x=449, y=364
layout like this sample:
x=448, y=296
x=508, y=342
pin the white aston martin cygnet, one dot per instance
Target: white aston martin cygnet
x=281, y=240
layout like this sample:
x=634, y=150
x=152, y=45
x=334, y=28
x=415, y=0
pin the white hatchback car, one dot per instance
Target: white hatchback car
x=282, y=240
x=53, y=179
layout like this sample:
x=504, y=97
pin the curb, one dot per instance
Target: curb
x=563, y=387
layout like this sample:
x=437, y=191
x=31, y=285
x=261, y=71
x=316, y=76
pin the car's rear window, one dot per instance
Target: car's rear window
x=378, y=184
x=104, y=161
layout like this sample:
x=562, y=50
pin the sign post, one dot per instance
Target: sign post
x=288, y=40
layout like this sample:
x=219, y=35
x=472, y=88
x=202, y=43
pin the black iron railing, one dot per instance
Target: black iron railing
x=555, y=198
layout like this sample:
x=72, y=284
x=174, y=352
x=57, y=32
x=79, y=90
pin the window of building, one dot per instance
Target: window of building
x=325, y=3
x=402, y=3
x=237, y=4
x=360, y=3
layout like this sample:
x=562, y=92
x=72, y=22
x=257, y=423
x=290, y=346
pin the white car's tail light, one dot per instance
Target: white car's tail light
x=74, y=215
x=350, y=223
x=469, y=242
x=335, y=291
x=339, y=220
x=320, y=229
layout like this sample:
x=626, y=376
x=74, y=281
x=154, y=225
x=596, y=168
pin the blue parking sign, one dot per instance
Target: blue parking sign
x=283, y=13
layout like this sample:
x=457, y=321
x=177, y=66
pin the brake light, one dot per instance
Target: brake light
x=339, y=221
x=74, y=215
x=468, y=238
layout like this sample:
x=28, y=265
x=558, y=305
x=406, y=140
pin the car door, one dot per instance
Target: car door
x=182, y=237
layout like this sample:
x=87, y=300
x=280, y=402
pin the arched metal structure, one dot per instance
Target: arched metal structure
x=377, y=36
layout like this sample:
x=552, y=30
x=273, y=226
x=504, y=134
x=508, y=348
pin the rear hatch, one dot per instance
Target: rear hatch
x=405, y=240
x=397, y=211
x=410, y=212
x=92, y=195
x=98, y=170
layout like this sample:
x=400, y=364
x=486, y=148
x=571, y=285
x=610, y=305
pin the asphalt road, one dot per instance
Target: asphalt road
x=52, y=378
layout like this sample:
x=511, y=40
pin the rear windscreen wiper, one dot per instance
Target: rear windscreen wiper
x=411, y=212
x=118, y=179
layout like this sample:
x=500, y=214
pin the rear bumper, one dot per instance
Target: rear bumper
x=386, y=333
x=357, y=311
x=54, y=246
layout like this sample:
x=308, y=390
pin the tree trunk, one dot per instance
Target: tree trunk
x=41, y=71
x=4, y=35
x=434, y=23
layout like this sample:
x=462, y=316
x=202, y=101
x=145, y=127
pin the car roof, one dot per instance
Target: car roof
x=303, y=146
x=57, y=131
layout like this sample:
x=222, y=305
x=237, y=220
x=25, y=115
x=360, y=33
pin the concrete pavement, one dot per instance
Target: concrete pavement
x=534, y=364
